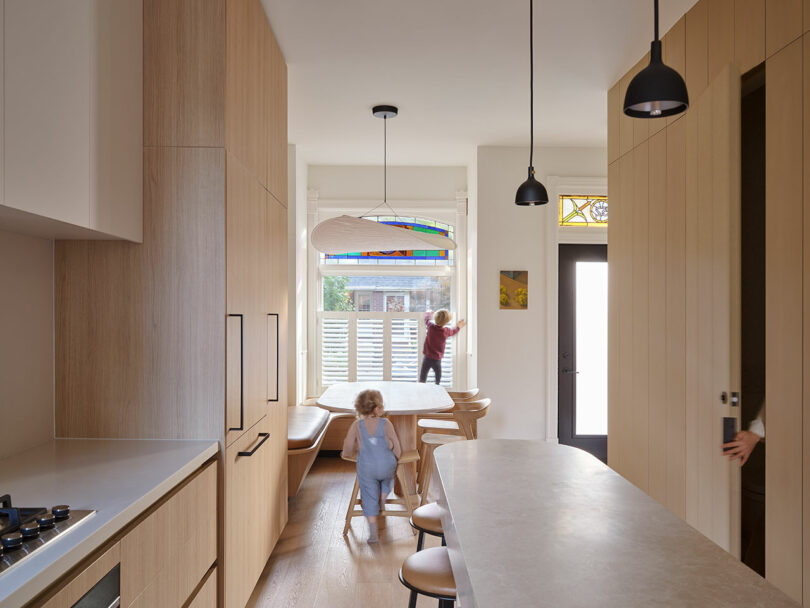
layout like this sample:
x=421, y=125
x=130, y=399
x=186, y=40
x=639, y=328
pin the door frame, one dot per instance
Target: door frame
x=556, y=236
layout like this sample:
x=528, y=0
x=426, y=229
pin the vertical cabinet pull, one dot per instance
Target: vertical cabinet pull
x=241, y=426
x=272, y=385
x=264, y=437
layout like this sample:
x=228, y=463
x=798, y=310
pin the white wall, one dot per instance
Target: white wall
x=297, y=243
x=512, y=350
x=26, y=342
x=365, y=183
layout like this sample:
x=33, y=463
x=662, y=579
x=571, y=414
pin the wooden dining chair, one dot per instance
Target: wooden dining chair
x=467, y=395
x=463, y=420
x=468, y=414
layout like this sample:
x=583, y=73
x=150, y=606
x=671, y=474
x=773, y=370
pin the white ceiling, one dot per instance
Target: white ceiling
x=457, y=69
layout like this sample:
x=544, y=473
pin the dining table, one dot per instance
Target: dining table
x=403, y=402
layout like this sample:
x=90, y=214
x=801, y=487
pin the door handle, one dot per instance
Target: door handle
x=241, y=426
x=270, y=398
x=264, y=437
x=569, y=371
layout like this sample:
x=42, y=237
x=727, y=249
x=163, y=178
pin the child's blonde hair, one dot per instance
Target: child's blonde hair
x=367, y=402
x=442, y=317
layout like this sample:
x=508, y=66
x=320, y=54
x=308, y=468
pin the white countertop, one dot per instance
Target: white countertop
x=118, y=478
x=531, y=523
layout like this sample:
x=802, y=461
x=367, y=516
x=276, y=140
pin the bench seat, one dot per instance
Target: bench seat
x=304, y=425
x=307, y=427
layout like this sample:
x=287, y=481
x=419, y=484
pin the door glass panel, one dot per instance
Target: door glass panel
x=591, y=348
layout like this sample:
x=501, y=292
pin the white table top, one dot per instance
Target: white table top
x=531, y=523
x=120, y=479
x=400, y=398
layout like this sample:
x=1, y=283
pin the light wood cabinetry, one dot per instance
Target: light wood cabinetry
x=85, y=580
x=247, y=489
x=72, y=114
x=167, y=554
x=166, y=558
x=742, y=34
x=185, y=334
x=207, y=595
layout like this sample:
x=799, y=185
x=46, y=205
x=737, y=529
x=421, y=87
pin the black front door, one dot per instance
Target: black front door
x=582, y=355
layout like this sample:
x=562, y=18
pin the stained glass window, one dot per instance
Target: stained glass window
x=407, y=257
x=583, y=210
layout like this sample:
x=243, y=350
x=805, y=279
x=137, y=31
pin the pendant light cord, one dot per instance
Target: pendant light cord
x=531, y=82
x=656, y=19
x=385, y=173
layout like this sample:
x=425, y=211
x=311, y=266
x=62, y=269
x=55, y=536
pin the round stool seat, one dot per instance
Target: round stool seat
x=437, y=439
x=428, y=423
x=429, y=518
x=428, y=572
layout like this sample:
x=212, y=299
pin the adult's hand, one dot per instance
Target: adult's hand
x=742, y=446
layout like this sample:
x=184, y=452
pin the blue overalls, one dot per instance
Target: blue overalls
x=376, y=467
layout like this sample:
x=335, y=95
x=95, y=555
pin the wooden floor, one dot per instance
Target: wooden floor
x=314, y=565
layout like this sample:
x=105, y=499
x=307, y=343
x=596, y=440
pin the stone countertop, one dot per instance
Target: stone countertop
x=531, y=523
x=118, y=478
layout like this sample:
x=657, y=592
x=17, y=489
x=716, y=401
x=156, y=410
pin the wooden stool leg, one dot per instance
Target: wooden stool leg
x=428, y=464
x=420, y=477
x=406, y=495
x=353, y=500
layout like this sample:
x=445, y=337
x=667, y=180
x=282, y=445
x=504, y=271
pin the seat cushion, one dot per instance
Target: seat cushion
x=445, y=425
x=428, y=517
x=429, y=571
x=304, y=424
x=436, y=439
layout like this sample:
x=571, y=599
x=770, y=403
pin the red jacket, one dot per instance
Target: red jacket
x=436, y=338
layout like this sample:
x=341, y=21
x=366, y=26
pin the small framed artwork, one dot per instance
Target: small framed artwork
x=514, y=293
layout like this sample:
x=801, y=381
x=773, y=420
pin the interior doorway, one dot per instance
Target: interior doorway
x=582, y=350
x=752, y=359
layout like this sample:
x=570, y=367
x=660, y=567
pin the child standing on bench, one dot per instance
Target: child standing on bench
x=373, y=439
x=435, y=339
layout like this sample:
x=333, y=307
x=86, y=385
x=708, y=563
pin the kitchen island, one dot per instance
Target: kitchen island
x=532, y=523
x=119, y=479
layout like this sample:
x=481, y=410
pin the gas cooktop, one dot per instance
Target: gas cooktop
x=23, y=530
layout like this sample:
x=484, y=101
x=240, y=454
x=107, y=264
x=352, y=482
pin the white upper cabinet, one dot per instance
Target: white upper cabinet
x=72, y=127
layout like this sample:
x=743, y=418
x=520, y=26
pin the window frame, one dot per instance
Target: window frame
x=326, y=269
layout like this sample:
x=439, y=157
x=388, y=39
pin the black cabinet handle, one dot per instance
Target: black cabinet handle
x=264, y=437
x=241, y=426
x=275, y=314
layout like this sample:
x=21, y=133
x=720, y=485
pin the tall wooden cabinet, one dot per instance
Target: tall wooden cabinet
x=183, y=336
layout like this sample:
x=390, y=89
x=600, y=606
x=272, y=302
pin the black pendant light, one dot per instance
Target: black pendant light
x=531, y=192
x=657, y=90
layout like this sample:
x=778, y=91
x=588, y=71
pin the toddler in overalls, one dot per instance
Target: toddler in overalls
x=373, y=439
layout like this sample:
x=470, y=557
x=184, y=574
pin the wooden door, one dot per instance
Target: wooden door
x=712, y=306
x=674, y=311
x=247, y=512
x=247, y=289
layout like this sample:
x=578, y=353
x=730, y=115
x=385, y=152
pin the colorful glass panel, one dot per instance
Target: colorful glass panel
x=427, y=226
x=582, y=210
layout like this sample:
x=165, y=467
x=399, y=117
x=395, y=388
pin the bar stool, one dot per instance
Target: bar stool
x=429, y=573
x=428, y=520
x=355, y=503
x=429, y=443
